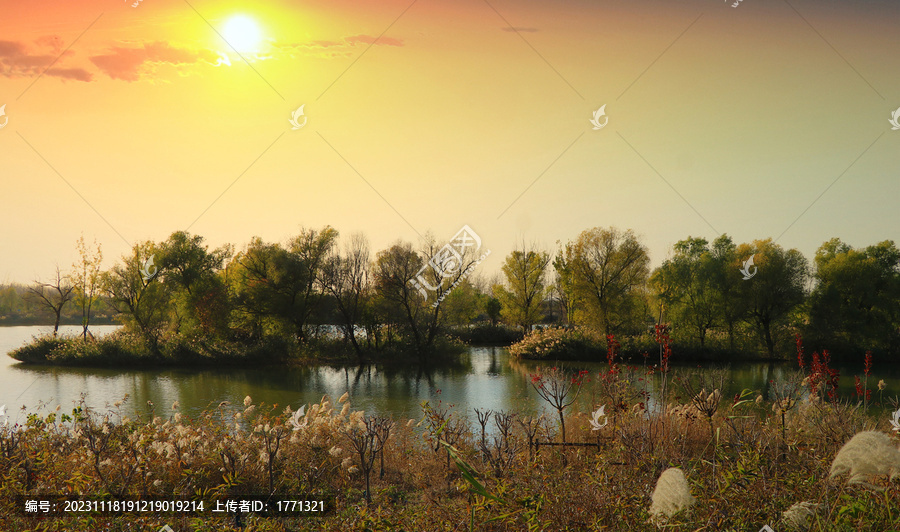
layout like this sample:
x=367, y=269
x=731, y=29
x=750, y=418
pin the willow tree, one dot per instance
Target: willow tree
x=775, y=290
x=192, y=272
x=609, y=269
x=406, y=306
x=138, y=295
x=278, y=289
x=413, y=285
x=856, y=301
x=525, y=270
x=685, y=284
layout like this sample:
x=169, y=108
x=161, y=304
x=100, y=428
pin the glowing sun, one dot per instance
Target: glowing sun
x=242, y=33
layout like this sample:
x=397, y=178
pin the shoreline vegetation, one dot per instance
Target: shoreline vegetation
x=182, y=303
x=799, y=458
x=125, y=349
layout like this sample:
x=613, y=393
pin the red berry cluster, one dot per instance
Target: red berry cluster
x=612, y=349
x=819, y=371
x=663, y=338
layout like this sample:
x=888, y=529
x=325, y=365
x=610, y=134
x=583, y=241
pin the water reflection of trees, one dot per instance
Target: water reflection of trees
x=483, y=378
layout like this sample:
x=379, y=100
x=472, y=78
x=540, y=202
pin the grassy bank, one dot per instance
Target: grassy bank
x=743, y=467
x=127, y=350
x=124, y=349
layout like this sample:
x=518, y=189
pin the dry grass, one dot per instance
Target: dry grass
x=743, y=477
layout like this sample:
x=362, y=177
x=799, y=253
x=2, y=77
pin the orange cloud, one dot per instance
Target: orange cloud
x=342, y=48
x=368, y=39
x=16, y=60
x=130, y=64
x=78, y=74
x=54, y=42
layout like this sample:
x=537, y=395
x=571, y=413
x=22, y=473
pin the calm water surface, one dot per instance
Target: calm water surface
x=487, y=378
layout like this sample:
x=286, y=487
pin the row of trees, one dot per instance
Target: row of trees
x=602, y=279
x=848, y=299
x=180, y=286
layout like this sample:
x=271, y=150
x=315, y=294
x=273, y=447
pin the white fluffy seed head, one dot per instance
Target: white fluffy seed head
x=800, y=516
x=672, y=494
x=868, y=454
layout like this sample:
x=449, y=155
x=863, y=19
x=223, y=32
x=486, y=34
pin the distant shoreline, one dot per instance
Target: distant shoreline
x=33, y=322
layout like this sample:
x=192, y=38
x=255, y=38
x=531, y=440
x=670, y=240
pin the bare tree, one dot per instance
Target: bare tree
x=499, y=451
x=346, y=277
x=53, y=295
x=368, y=439
x=415, y=286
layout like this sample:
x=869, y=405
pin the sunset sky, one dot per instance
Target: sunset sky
x=125, y=123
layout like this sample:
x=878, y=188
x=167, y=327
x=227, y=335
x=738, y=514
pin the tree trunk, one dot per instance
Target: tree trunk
x=562, y=425
x=770, y=344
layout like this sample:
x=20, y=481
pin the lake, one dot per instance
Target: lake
x=487, y=378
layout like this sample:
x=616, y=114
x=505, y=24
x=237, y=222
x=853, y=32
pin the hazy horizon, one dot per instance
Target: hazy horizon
x=125, y=124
